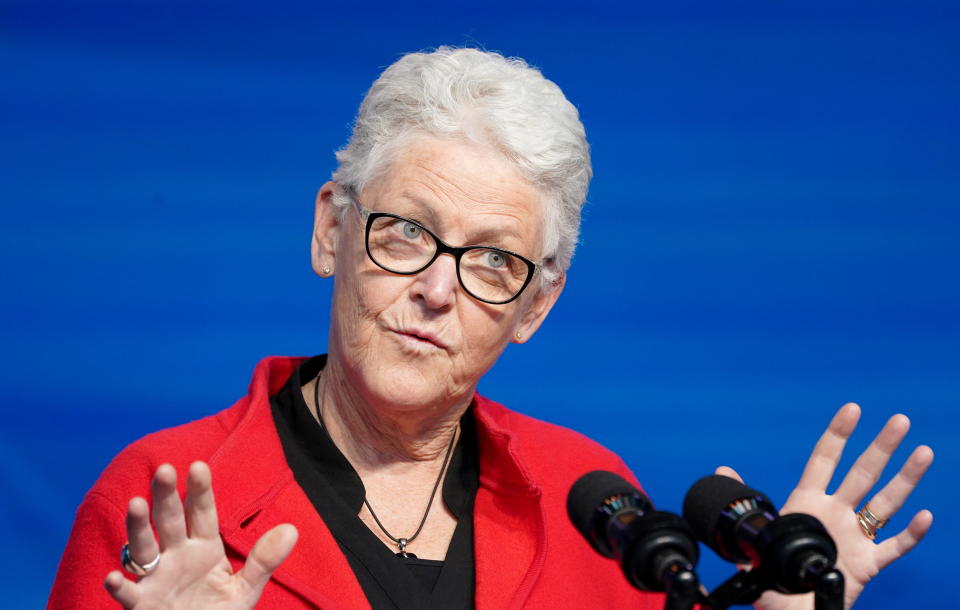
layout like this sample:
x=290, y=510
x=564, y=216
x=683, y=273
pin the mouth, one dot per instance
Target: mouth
x=422, y=336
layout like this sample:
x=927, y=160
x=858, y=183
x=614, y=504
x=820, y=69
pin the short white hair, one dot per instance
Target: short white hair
x=485, y=97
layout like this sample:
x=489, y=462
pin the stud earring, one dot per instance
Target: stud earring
x=326, y=270
x=519, y=336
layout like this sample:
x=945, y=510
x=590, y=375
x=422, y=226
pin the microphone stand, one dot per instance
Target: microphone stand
x=741, y=589
x=681, y=585
x=827, y=584
x=745, y=587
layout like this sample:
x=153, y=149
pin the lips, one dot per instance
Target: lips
x=422, y=335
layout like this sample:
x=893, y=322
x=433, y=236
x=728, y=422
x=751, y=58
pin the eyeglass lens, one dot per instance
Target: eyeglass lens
x=405, y=247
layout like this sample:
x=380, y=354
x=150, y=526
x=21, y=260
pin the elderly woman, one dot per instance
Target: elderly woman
x=375, y=475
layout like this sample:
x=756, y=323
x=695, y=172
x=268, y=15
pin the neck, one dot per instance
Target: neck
x=372, y=436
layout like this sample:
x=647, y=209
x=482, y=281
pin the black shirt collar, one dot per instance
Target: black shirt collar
x=313, y=439
x=336, y=491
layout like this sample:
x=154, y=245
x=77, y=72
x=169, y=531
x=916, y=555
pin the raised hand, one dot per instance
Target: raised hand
x=860, y=558
x=193, y=570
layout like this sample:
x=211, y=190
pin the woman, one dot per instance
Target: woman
x=375, y=475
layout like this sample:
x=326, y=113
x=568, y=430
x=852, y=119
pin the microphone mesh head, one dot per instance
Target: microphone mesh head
x=589, y=493
x=708, y=498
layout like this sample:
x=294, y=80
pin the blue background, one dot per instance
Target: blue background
x=772, y=231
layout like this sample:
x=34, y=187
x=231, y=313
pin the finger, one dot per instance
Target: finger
x=866, y=471
x=889, y=499
x=267, y=554
x=728, y=472
x=826, y=453
x=200, y=507
x=896, y=547
x=143, y=545
x=121, y=589
x=167, y=508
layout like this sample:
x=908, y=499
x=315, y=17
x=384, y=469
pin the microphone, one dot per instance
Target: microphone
x=793, y=553
x=656, y=549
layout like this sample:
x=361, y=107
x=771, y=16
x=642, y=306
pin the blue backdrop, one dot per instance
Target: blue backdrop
x=772, y=231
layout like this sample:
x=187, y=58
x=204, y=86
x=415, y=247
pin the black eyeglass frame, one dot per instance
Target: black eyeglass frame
x=442, y=248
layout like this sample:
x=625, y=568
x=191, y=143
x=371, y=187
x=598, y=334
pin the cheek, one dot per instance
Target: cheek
x=486, y=333
x=353, y=301
x=359, y=301
x=480, y=353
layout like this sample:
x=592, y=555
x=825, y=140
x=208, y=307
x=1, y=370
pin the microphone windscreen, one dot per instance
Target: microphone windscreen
x=589, y=493
x=708, y=498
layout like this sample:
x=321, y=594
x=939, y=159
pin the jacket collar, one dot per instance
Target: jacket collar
x=256, y=491
x=509, y=520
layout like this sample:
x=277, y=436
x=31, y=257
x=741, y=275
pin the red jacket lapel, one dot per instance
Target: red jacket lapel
x=509, y=536
x=256, y=491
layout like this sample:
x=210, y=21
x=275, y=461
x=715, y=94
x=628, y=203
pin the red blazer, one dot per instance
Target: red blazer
x=527, y=552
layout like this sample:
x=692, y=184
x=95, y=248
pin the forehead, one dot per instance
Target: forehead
x=465, y=192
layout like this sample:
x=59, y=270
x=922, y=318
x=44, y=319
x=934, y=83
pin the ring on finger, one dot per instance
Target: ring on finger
x=132, y=566
x=869, y=523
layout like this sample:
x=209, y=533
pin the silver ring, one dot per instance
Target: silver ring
x=869, y=523
x=126, y=560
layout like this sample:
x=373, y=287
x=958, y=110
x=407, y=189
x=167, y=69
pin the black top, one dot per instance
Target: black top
x=336, y=491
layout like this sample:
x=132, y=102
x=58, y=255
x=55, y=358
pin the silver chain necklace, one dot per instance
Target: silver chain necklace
x=400, y=542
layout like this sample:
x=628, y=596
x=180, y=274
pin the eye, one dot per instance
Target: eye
x=411, y=230
x=495, y=259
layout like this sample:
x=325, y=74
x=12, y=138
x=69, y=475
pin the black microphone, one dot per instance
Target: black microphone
x=794, y=553
x=656, y=549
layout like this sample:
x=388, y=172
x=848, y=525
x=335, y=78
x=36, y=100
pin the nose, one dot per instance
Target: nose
x=438, y=283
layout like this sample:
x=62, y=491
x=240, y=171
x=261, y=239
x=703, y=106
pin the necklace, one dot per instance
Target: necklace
x=400, y=542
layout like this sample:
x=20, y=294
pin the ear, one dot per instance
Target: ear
x=326, y=230
x=538, y=309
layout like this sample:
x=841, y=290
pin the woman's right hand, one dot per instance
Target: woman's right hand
x=193, y=571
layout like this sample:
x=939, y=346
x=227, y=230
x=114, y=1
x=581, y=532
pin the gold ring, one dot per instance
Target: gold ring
x=869, y=523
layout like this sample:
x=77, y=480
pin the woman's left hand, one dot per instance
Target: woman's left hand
x=858, y=557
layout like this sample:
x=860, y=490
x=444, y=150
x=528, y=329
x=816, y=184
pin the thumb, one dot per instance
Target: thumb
x=728, y=472
x=267, y=555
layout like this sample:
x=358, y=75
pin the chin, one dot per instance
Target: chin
x=409, y=386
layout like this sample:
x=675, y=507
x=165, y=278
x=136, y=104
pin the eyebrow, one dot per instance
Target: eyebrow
x=426, y=215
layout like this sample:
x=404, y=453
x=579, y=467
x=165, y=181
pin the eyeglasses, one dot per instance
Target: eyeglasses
x=403, y=246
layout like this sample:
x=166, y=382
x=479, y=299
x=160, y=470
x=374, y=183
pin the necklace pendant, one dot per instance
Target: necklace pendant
x=402, y=545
